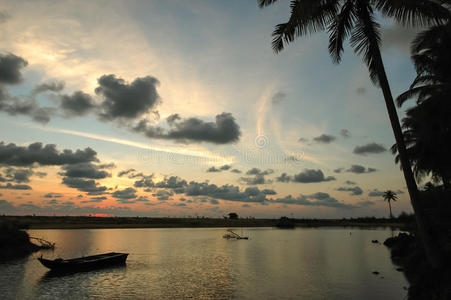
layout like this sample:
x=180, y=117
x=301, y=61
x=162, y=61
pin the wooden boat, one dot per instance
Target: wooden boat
x=234, y=235
x=85, y=263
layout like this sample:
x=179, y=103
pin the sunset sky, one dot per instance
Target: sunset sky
x=181, y=108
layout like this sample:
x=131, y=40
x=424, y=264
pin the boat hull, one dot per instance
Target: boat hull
x=85, y=263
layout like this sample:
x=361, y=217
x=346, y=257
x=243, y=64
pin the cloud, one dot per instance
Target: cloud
x=236, y=171
x=54, y=86
x=338, y=170
x=16, y=175
x=370, y=148
x=316, y=199
x=6, y=206
x=375, y=193
x=125, y=172
x=345, y=133
x=358, y=169
x=89, y=186
x=354, y=191
x=269, y=192
x=4, y=16
x=48, y=155
x=303, y=140
x=10, y=66
x=324, y=139
x=15, y=186
x=349, y=182
x=213, y=170
x=360, y=90
x=307, y=176
x=258, y=176
x=225, y=192
x=77, y=104
x=125, y=194
x=173, y=182
x=163, y=195
x=223, y=131
x=94, y=199
x=399, y=37
x=278, y=98
x=365, y=203
x=124, y=100
x=85, y=170
x=53, y=195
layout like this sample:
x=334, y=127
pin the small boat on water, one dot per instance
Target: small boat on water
x=234, y=235
x=85, y=263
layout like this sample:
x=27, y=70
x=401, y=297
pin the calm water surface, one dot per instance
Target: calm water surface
x=200, y=264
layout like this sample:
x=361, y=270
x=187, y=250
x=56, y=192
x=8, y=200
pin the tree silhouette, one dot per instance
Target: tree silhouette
x=390, y=196
x=427, y=126
x=355, y=19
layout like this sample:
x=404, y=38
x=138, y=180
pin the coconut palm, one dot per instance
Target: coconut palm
x=427, y=126
x=390, y=196
x=355, y=19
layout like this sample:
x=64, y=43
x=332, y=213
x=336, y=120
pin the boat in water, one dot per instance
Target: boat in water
x=234, y=235
x=85, y=263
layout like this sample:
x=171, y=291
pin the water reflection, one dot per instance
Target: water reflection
x=200, y=264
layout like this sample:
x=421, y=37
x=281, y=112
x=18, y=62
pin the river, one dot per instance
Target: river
x=323, y=263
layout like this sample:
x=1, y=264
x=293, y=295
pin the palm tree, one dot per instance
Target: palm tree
x=390, y=196
x=355, y=19
x=427, y=126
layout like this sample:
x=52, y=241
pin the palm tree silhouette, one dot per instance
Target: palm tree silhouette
x=355, y=19
x=427, y=126
x=390, y=196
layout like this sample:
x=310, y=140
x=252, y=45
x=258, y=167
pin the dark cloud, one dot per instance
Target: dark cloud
x=16, y=175
x=125, y=172
x=317, y=199
x=370, y=148
x=360, y=90
x=53, y=195
x=358, y=169
x=163, y=195
x=225, y=192
x=365, y=203
x=127, y=101
x=4, y=16
x=278, y=97
x=225, y=167
x=15, y=186
x=14, y=106
x=354, y=191
x=257, y=176
x=77, y=104
x=324, y=139
x=349, y=182
x=303, y=140
x=54, y=86
x=235, y=171
x=338, y=170
x=375, y=193
x=146, y=181
x=89, y=186
x=307, y=176
x=345, y=133
x=85, y=170
x=174, y=183
x=213, y=170
x=10, y=66
x=214, y=201
x=223, y=131
x=94, y=199
x=269, y=192
x=48, y=155
x=6, y=206
x=125, y=194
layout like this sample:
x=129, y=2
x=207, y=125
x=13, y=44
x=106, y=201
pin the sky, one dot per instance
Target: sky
x=181, y=108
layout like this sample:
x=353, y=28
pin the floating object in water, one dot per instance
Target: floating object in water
x=43, y=244
x=84, y=263
x=233, y=235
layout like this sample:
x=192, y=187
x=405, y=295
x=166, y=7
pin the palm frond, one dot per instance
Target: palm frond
x=366, y=39
x=340, y=29
x=414, y=12
x=264, y=3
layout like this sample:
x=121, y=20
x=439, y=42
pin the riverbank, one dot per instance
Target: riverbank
x=14, y=243
x=84, y=222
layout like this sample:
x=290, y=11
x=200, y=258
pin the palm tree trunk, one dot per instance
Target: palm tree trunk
x=389, y=205
x=433, y=253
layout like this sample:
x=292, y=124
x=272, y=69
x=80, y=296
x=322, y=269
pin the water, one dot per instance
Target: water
x=199, y=264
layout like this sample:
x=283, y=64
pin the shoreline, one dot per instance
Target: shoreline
x=67, y=222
